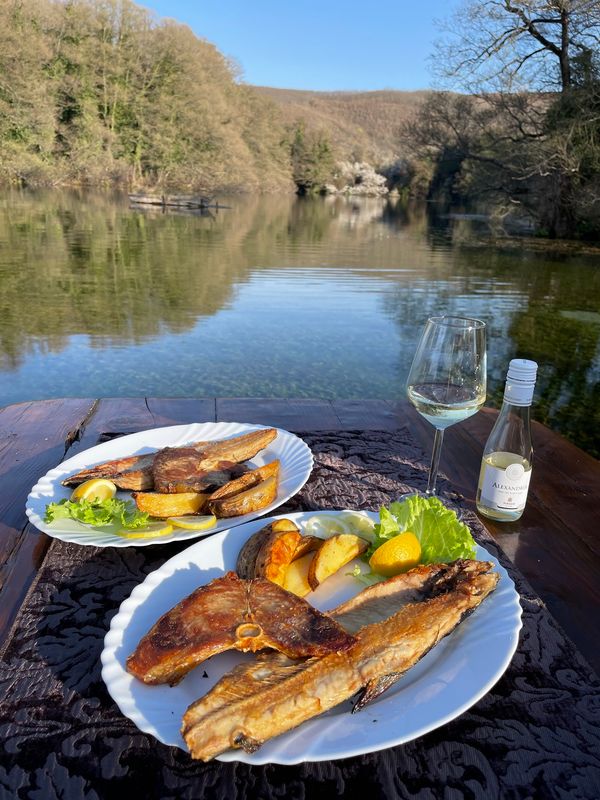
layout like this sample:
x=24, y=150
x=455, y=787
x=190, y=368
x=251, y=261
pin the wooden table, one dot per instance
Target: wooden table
x=62, y=734
x=555, y=544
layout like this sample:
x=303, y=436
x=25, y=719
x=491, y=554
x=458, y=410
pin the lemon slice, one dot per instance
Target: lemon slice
x=153, y=529
x=194, y=523
x=95, y=489
x=325, y=525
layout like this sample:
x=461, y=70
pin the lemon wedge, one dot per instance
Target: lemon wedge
x=95, y=489
x=153, y=529
x=193, y=523
x=397, y=555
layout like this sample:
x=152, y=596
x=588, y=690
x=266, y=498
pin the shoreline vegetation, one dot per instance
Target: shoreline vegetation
x=105, y=94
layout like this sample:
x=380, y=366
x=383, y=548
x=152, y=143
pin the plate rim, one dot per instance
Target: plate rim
x=62, y=468
x=137, y=597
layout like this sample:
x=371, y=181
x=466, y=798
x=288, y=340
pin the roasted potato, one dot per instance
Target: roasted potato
x=247, y=481
x=275, y=555
x=246, y=560
x=268, y=552
x=170, y=505
x=307, y=544
x=296, y=576
x=332, y=555
x=253, y=499
x=284, y=525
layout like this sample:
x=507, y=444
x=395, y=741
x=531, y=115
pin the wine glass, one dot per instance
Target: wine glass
x=447, y=379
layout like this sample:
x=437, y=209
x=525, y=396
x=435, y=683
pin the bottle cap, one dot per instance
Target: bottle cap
x=520, y=381
x=522, y=370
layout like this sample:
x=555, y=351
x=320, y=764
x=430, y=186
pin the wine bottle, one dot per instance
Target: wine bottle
x=507, y=455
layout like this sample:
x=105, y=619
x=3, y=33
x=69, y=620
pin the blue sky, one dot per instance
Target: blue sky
x=325, y=44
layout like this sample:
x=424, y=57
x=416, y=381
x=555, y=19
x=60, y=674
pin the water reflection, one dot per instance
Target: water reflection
x=278, y=296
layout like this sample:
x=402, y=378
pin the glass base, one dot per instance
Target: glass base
x=417, y=493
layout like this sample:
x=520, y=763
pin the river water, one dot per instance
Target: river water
x=279, y=297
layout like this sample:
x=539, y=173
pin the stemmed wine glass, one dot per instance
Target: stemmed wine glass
x=447, y=379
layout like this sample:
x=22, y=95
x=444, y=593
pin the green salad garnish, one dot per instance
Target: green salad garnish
x=98, y=512
x=443, y=537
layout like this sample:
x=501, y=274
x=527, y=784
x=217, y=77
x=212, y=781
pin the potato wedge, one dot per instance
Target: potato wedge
x=247, y=481
x=284, y=525
x=170, y=505
x=253, y=499
x=296, y=576
x=307, y=544
x=332, y=555
x=246, y=560
x=275, y=555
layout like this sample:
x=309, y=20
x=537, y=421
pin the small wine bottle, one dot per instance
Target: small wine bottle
x=506, y=463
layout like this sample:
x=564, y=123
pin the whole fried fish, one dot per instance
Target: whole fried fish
x=396, y=624
x=184, y=469
x=135, y=473
x=229, y=612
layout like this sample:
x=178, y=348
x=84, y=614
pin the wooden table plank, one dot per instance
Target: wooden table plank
x=182, y=410
x=379, y=415
x=297, y=415
x=33, y=439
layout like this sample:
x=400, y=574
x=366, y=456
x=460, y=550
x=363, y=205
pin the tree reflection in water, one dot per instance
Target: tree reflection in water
x=279, y=296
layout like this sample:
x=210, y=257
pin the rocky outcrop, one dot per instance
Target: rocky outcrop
x=357, y=178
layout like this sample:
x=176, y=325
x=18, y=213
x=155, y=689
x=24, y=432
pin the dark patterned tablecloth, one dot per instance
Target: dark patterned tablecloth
x=534, y=735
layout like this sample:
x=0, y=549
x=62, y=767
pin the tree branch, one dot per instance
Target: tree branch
x=528, y=23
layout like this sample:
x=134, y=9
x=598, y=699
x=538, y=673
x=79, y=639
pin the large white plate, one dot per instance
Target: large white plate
x=294, y=455
x=447, y=681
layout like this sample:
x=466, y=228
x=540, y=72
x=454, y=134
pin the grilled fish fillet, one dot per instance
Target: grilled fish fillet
x=135, y=472
x=183, y=469
x=233, y=613
x=255, y=702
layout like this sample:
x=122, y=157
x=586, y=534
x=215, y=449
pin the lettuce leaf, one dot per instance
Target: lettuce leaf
x=367, y=578
x=442, y=535
x=98, y=512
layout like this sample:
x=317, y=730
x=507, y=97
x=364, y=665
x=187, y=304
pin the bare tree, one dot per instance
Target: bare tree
x=515, y=45
x=526, y=129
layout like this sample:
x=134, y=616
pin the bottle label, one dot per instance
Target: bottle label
x=505, y=489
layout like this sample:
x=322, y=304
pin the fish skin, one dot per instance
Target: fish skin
x=183, y=469
x=229, y=612
x=275, y=694
x=373, y=604
x=175, y=467
x=135, y=472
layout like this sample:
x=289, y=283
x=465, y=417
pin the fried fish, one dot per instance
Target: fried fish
x=137, y=473
x=229, y=612
x=396, y=624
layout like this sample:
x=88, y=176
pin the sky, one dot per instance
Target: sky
x=319, y=44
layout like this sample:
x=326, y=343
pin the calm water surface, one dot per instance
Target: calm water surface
x=278, y=297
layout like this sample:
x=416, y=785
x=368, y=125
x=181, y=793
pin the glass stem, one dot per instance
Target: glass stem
x=435, y=460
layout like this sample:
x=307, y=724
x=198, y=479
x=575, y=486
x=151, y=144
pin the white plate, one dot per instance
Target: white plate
x=447, y=681
x=294, y=455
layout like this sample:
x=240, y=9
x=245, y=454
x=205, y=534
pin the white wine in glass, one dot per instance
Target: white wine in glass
x=447, y=379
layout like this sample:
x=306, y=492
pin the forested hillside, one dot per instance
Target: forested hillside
x=103, y=92
x=96, y=91
x=361, y=126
